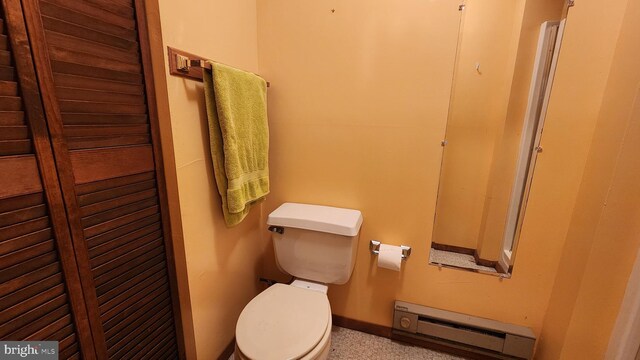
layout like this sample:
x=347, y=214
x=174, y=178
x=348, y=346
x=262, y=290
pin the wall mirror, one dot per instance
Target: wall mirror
x=505, y=61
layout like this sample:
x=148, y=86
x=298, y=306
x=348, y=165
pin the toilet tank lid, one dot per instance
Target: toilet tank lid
x=319, y=218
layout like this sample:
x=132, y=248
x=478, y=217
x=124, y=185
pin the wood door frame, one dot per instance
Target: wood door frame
x=152, y=106
x=35, y=116
x=160, y=70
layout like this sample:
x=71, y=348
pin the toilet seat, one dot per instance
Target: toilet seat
x=284, y=322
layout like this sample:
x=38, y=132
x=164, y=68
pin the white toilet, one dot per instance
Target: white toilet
x=317, y=245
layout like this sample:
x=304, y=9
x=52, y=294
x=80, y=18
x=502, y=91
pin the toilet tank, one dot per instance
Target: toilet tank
x=314, y=242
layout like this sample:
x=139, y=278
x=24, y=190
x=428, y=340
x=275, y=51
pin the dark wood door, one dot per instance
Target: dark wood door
x=40, y=293
x=92, y=62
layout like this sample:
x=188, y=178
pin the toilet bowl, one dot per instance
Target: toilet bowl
x=285, y=322
x=317, y=245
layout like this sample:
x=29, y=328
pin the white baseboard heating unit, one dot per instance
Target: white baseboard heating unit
x=469, y=333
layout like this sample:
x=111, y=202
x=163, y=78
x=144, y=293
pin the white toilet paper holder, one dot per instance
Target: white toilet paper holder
x=374, y=247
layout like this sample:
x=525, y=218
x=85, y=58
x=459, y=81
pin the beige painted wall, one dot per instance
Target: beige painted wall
x=507, y=141
x=489, y=35
x=603, y=239
x=358, y=107
x=221, y=265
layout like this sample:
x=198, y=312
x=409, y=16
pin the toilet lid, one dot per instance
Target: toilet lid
x=283, y=322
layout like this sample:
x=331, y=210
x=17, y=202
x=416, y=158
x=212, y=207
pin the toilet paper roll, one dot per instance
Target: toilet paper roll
x=390, y=257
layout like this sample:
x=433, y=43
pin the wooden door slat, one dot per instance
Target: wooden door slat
x=138, y=336
x=55, y=39
x=30, y=290
x=5, y=58
x=107, y=184
x=97, y=84
x=120, y=231
x=82, y=143
x=133, y=303
x=117, y=330
x=128, y=237
x=19, y=256
x=67, y=28
x=162, y=342
x=28, y=317
x=11, y=118
x=28, y=266
x=71, y=68
x=103, y=119
x=82, y=57
x=68, y=93
x=21, y=242
x=20, y=202
x=111, y=277
x=156, y=340
x=91, y=22
x=14, y=132
x=113, y=299
x=118, y=212
x=24, y=228
x=7, y=73
x=7, y=88
x=116, y=7
x=115, y=192
x=15, y=147
x=126, y=257
x=116, y=202
x=10, y=103
x=120, y=221
x=7, y=287
x=18, y=309
x=43, y=326
x=21, y=215
x=138, y=268
x=94, y=11
x=102, y=108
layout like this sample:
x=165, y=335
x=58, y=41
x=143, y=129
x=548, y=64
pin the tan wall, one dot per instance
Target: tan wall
x=222, y=265
x=357, y=110
x=603, y=240
x=489, y=37
x=358, y=106
x=507, y=142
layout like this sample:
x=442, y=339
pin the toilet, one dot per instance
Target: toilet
x=317, y=246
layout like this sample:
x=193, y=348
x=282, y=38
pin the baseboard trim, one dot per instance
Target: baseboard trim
x=485, y=262
x=452, y=248
x=228, y=351
x=386, y=332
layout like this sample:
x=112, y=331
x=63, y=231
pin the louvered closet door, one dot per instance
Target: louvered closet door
x=99, y=105
x=40, y=294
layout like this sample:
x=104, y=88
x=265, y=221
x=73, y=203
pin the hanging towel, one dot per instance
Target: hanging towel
x=239, y=138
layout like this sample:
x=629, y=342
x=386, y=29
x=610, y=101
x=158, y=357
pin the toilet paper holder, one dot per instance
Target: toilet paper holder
x=374, y=247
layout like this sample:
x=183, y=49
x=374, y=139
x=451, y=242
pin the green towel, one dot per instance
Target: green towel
x=239, y=136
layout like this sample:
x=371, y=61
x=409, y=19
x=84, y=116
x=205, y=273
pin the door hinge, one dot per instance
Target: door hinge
x=571, y=3
x=461, y=7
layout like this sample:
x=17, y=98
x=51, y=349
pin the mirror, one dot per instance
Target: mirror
x=505, y=62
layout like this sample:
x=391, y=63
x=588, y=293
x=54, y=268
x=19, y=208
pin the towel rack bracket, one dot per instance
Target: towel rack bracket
x=184, y=64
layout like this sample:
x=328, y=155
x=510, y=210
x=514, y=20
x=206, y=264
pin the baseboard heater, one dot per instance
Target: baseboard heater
x=469, y=333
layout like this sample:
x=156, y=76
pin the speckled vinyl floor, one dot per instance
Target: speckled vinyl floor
x=457, y=260
x=349, y=344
